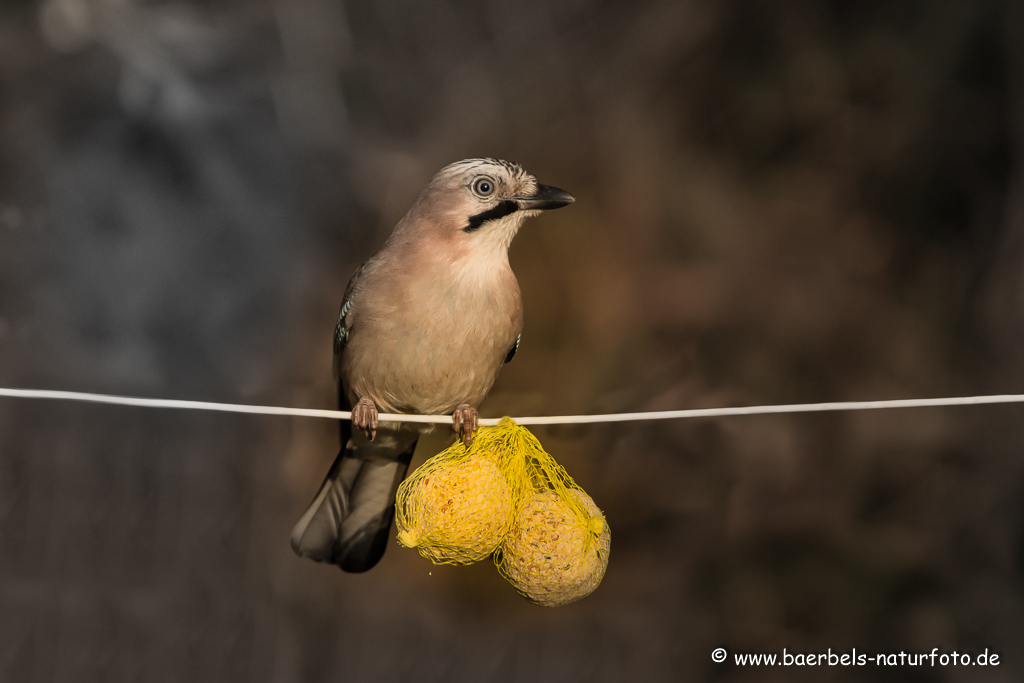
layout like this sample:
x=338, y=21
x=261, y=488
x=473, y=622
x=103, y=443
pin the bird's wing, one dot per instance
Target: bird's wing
x=342, y=330
x=344, y=326
x=515, y=347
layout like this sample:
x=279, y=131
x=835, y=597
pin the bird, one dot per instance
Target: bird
x=425, y=326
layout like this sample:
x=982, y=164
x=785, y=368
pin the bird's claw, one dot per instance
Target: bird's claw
x=465, y=421
x=364, y=417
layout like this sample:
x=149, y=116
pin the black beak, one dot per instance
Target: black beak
x=547, y=197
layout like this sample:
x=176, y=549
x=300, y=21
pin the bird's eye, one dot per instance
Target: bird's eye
x=483, y=187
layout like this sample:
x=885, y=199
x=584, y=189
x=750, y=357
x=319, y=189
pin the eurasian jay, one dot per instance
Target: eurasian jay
x=425, y=326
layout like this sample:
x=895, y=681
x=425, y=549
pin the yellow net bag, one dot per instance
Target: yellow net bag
x=456, y=507
x=506, y=495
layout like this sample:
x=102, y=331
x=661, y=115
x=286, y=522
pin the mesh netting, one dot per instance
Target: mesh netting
x=550, y=554
x=456, y=507
x=506, y=495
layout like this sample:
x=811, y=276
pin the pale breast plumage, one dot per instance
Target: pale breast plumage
x=431, y=358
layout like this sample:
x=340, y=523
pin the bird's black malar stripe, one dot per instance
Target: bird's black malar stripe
x=500, y=211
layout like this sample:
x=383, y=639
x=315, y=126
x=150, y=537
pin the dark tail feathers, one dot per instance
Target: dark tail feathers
x=349, y=521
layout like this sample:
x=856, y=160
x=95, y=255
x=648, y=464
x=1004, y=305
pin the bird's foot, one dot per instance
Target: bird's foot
x=465, y=420
x=364, y=417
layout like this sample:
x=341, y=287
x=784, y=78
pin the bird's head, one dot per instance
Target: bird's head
x=479, y=204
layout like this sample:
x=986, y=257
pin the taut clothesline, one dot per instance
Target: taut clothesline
x=556, y=419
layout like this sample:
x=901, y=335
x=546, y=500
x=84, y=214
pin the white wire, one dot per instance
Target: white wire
x=558, y=419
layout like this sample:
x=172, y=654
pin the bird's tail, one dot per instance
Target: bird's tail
x=349, y=520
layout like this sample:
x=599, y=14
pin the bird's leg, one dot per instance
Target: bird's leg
x=364, y=417
x=465, y=420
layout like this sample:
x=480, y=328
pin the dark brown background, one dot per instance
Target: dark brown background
x=776, y=202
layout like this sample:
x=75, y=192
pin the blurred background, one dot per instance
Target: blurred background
x=776, y=202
